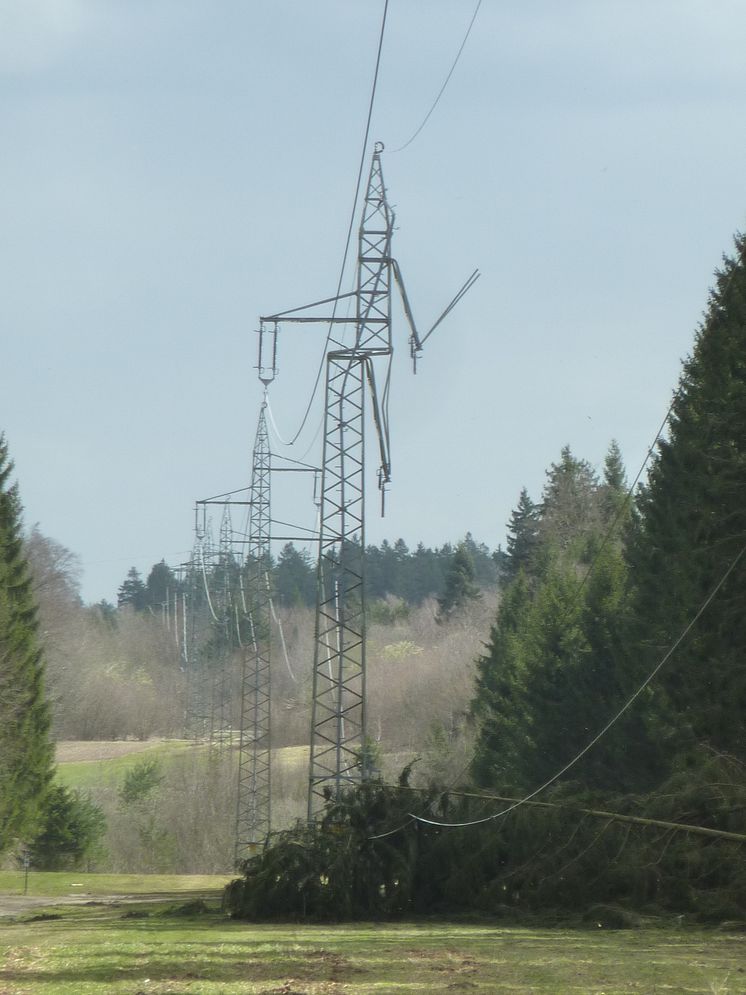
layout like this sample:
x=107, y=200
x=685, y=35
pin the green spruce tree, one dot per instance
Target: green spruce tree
x=25, y=747
x=692, y=529
x=523, y=536
x=460, y=586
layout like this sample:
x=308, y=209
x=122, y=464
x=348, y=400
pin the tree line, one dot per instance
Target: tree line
x=609, y=761
x=393, y=573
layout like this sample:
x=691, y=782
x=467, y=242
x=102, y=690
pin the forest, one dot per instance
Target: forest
x=557, y=726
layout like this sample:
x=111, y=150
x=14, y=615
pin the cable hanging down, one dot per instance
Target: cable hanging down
x=555, y=777
x=350, y=227
x=445, y=82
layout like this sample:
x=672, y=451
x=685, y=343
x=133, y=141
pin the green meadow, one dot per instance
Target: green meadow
x=98, y=770
x=177, y=945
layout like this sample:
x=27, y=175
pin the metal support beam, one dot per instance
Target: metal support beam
x=253, y=813
x=338, y=721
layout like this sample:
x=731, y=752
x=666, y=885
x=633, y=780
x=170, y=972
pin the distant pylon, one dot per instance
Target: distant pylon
x=253, y=813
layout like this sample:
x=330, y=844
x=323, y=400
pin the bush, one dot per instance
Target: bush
x=73, y=828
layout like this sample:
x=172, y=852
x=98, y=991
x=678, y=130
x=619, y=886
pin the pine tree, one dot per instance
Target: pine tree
x=132, y=593
x=294, y=577
x=614, y=498
x=557, y=667
x=523, y=535
x=460, y=587
x=693, y=526
x=498, y=705
x=25, y=748
x=570, y=511
x=160, y=586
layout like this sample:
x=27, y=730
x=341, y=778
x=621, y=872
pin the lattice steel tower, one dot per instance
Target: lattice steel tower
x=253, y=813
x=338, y=724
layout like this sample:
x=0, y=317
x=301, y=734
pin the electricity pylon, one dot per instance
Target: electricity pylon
x=338, y=724
x=195, y=662
x=253, y=811
x=224, y=639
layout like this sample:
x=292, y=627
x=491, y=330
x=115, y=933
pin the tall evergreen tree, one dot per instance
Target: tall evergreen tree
x=693, y=527
x=614, y=500
x=160, y=586
x=523, y=535
x=25, y=748
x=460, y=587
x=132, y=592
x=557, y=667
x=570, y=510
x=294, y=577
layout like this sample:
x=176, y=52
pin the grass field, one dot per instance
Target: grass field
x=154, y=949
x=56, y=884
x=95, y=764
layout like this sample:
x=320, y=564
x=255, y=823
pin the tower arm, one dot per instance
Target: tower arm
x=381, y=422
x=285, y=315
x=415, y=341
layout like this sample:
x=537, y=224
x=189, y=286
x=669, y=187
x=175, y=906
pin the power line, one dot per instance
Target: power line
x=446, y=81
x=555, y=777
x=350, y=226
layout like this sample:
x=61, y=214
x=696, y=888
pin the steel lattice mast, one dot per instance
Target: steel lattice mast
x=253, y=813
x=338, y=721
x=338, y=724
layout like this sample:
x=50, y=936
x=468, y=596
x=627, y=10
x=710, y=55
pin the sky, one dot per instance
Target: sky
x=172, y=169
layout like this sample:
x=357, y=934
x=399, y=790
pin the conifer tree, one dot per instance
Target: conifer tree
x=460, y=587
x=25, y=748
x=523, y=535
x=132, y=593
x=693, y=527
x=570, y=510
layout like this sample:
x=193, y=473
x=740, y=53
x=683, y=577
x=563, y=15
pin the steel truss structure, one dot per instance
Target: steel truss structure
x=233, y=588
x=339, y=755
x=253, y=809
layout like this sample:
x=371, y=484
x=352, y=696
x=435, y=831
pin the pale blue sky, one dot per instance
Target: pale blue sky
x=171, y=169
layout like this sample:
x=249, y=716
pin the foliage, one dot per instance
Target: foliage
x=72, y=829
x=140, y=781
x=692, y=529
x=523, y=536
x=139, y=801
x=334, y=871
x=294, y=577
x=556, y=666
x=161, y=586
x=25, y=748
x=368, y=858
x=460, y=587
x=132, y=592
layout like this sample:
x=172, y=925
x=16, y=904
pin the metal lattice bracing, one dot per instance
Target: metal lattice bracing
x=224, y=635
x=254, y=768
x=339, y=711
x=338, y=747
x=198, y=675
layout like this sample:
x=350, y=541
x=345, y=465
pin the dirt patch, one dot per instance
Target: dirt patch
x=81, y=750
x=12, y=906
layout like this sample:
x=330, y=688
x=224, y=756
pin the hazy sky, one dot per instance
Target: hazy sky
x=171, y=169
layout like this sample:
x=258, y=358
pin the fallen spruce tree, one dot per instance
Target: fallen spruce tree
x=371, y=855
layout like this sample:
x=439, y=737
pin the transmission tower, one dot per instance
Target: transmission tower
x=338, y=723
x=195, y=661
x=253, y=812
x=226, y=627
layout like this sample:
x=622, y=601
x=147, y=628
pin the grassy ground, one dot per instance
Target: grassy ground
x=100, y=764
x=153, y=950
x=54, y=884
